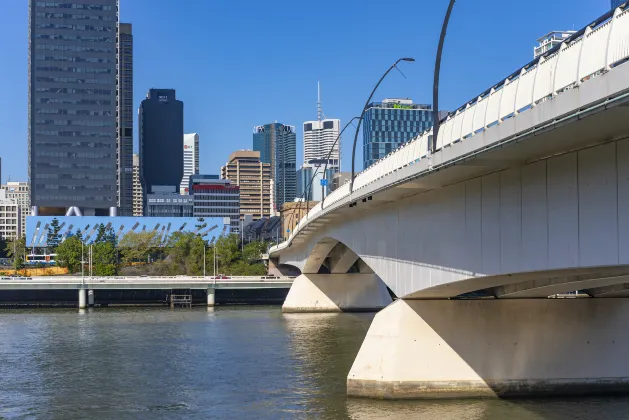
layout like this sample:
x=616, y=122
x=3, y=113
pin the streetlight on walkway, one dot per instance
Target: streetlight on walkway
x=409, y=59
x=435, y=86
x=325, y=170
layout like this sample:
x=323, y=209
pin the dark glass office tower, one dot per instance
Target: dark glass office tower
x=277, y=145
x=161, y=140
x=72, y=106
x=125, y=120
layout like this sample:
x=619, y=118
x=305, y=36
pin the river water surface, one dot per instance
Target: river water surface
x=231, y=363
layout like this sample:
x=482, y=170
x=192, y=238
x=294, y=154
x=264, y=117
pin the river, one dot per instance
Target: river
x=223, y=363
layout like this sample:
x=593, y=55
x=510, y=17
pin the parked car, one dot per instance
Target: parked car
x=221, y=277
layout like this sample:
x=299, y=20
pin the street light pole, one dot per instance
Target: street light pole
x=435, y=86
x=203, y=260
x=362, y=115
x=325, y=169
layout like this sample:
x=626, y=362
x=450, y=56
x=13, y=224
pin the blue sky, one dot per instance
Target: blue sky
x=237, y=64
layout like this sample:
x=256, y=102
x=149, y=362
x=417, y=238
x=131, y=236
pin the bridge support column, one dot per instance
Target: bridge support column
x=210, y=297
x=90, y=298
x=336, y=293
x=82, y=300
x=494, y=348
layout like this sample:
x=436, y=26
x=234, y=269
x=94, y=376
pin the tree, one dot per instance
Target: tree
x=79, y=235
x=53, y=238
x=16, y=249
x=3, y=248
x=104, y=259
x=69, y=253
x=105, y=234
x=227, y=251
x=139, y=246
x=252, y=252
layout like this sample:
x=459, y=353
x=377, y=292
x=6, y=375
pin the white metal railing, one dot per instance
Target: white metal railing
x=594, y=50
x=143, y=279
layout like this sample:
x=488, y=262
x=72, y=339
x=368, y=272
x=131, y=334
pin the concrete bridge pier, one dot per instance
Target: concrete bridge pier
x=90, y=298
x=494, y=348
x=336, y=293
x=210, y=297
x=82, y=299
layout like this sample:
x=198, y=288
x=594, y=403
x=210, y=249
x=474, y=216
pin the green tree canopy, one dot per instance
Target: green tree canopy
x=53, y=238
x=16, y=250
x=69, y=254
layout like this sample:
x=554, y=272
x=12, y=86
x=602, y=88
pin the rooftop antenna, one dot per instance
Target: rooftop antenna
x=319, y=111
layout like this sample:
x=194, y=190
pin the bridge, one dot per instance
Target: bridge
x=86, y=286
x=526, y=197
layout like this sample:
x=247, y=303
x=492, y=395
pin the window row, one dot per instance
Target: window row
x=80, y=123
x=96, y=28
x=74, y=59
x=72, y=133
x=81, y=176
x=76, y=48
x=49, y=15
x=87, y=38
x=80, y=6
x=89, y=70
x=72, y=101
x=82, y=112
x=67, y=144
x=72, y=198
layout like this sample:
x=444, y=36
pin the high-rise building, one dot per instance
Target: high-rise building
x=19, y=193
x=617, y=3
x=161, y=140
x=309, y=180
x=276, y=143
x=190, y=160
x=321, y=138
x=550, y=40
x=138, y=199
x=125, y=120
x=245, y=169
x=10, y=218
x=163, y=201
x=214, y=197
x=72, y=106
x=390, y=123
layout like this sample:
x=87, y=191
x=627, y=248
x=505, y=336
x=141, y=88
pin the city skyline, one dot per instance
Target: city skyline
x=345, y=90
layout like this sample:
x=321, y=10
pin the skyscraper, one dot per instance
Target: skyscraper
x=19, y=193
x=72, y=106
x=390, y=123
x=320, y=138
x=138, y=196
x=125, y=120
x=245, y=169
x=161, y=140
x=277, y=145
x=190, y=160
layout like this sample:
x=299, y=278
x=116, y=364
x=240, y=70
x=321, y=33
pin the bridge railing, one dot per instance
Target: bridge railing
x=594, y=50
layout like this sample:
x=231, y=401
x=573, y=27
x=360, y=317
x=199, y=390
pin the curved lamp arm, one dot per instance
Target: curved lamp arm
x=351, y=185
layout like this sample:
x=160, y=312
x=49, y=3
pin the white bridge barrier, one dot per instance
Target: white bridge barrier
x=590, y=52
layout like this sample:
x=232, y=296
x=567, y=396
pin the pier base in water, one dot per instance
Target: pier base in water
x=494, y=348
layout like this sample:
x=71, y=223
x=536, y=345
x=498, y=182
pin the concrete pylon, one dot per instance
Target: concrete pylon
x=336, y=293
x=494, y=348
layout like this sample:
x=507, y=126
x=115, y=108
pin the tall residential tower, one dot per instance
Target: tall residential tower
x=72, y=138
x=277, y=145
x=125, y=120
x=245, y=169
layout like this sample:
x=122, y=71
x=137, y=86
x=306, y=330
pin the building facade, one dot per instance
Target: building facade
x=253, y=177
x=164, y=201
x=190, y=160
x=549, y=41
x=314, y=180
x=10, y=218
x=138, y=196
x=125, y=120
x=339, y=179
x=161, y=140
x=19, y=192
x=37, y=230
x=72, y=138
x=214, y=197
x=292, y=213
x=320, y=141
x=277, y=145
x=390, y=123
